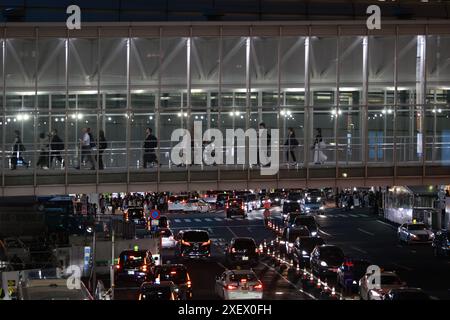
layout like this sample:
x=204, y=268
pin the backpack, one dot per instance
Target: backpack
x=59, y=145
x=91, y=137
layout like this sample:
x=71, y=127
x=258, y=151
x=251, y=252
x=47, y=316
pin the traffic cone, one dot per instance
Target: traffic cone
x=318, y=285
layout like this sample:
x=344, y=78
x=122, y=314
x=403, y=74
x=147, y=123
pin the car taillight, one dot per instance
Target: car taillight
x=233, y=250
x=258, y=286
x=243, y=280
x=118, y=266
x=206, y=243
x=231, y=287
x=256, y=250
x=189, y=283
x=144, y=268
x=242, y=207
x=185, y=243
x=173, y=272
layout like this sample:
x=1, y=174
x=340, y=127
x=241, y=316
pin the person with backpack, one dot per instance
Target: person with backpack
x=56, y=146
x=150, y=143
x=102, y=146
x=18, y=148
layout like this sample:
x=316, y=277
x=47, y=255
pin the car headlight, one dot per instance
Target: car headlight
x=431, y=235
x=375, y=293
x=291, y=245
x=282, y=242
x=276, y=199
x=413, y=236
x=323, y=264
x=299, y=201
x=322, y=208
x=287, y=201
x=309, y=198
x=354, y=282
x=304, y=253
x=319, y=198
x=314, y=233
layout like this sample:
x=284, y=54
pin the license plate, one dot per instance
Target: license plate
x=131, y=273
x=244, y=258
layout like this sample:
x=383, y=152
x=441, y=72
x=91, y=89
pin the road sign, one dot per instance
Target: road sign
x=155, y=214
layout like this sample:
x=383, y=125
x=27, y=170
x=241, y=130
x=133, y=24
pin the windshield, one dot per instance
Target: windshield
x=177, y=275
x=293, y=234
x=310, y=243
x=195, y=236
x=294, y=196
x=292, y=217
x=247, y=276
x=244, y=244
x=131, y=261
x=158, y=293
x=417, y=227
x=332, y=253
x=135, y=213
x=390, y=280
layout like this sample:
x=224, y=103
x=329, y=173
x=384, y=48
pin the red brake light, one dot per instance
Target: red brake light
x=206, y=243
x=348, y=264
x=231, y=287
x=185, y=243
x=189, y=283
x=233, y=250
x=258, y=286
x=244, y=280
x=144, y=268
x=173, y=272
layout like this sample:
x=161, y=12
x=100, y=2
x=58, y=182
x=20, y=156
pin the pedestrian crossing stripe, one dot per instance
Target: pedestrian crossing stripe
x=187, y=220
x=353, y=215
x=197, y=220
x=177, y=220
x=208, y=219
x=217, y=219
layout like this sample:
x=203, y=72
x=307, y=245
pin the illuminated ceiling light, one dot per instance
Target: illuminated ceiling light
x=242, y=117
x=201, y=117
x=19, y=117
x=56, y=120
x=383, y=111
x=79, y=116
x=344, y=175
x=151, y=118
x=185, y=114
x=439, y=110
x=73, y=116
x=179, y=114
x=231, y=113
x=109, y=118
x=390, y=111
x=282, y=112
x=62, y=119
x=237, y=113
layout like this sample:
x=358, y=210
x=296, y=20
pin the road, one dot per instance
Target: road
x=358, y=233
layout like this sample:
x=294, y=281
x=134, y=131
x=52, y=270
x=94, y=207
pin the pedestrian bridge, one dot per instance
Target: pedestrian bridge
x=221, y=177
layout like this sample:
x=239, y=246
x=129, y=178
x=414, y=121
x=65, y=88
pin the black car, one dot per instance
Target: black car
x=309, y=222
x=178, y=274
x=290, y=235
x=235, y=207
x=193, y=244
x=275, y=198
x=441, y=243
x=222, y=199
x=350, y=272
x=164, y=290
x=290, y=207
x=406, y=294
x=301, y=251
x=135, y=215
x=242, y=252
x=326, y=260
x=294, y=197
x=290, y=218
x=134, y=267
x=163, y=222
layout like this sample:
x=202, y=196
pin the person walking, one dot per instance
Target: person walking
x=17, y=150
x=56, y=146
x=102, y=146
x=291, y=143
x=150, y=143
x=43, y=161
x=86, y=149
x=319, y=156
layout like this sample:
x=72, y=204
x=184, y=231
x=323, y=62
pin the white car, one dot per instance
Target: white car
x=388, y=280
x=197, y=205
x=167, y=239
x=51, y=289
x=177, y=203
x=415, y=233
x=239, y=285
x=15, y=247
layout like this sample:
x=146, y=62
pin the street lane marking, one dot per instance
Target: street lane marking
x=232, y=232
x=353, y=215
x=387, y=224
x=342, y=215
x=366, y=232
x=295, y=286
x=208, y=219
x=187, y=220
x=325, y=233
x=177, y=220
x=197, y=220
x=363, y=215
x=358, y=249
x=218, y=219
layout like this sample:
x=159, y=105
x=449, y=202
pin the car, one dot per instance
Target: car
x=242, y=251
x=167, y=239
x=290, y=207
x=309, y=222
x=441, y=243
x=303, y=246
x=51, y=289
x=179, y=275
x=294, y=196
x=239, y=285
x=135, y=215
x=349, y=273
x=235, y=207
x=290, y=234
x=406, y=294
x=222, y=198
x=275, y=198
x=210, y=197
x=415, y=233
x=164, y=290
x=388, y=280
x=326, y=259
x=14, y=247
x=312, y=203
x=193, y=244
x=134, y=267
x=177, y=203
x=290, y=218
x=251, y=202
x=196, y=205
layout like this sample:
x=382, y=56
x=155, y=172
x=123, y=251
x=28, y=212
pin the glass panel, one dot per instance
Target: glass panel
x=380, y=134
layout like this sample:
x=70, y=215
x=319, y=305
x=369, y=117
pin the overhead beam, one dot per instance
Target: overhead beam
x=228, y=56
x=18, y=61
